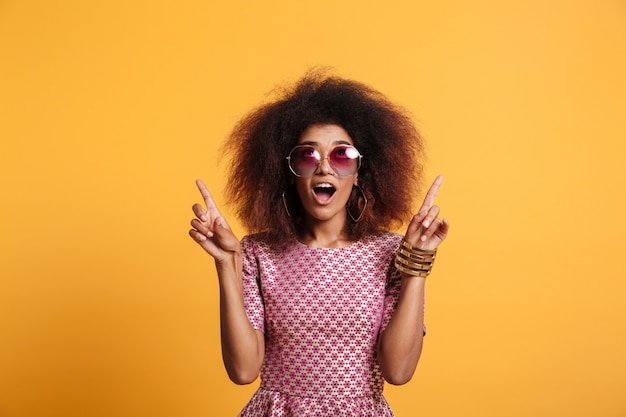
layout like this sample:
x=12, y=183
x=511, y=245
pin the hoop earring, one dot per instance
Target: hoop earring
x=285, y=204
x=358, y=218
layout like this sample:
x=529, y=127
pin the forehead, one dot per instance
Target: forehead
x=325, y=136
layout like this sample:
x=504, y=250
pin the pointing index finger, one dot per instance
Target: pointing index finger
x=206, y=195
x=430, y=195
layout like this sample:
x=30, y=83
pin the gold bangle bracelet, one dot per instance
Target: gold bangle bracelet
x=414, y=261
x=415, y=256
x=413, y=265
x=412, y=248
x=422, y=274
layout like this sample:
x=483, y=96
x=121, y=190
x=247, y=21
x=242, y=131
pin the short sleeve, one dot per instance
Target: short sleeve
x=252, y=296
x=392, y=294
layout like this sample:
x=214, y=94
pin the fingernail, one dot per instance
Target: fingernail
x=423, y=238
x=203, y=218
x=426, y=223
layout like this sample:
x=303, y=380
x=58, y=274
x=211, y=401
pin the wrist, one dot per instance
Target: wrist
x=412, y=283
x=412, y=261
x=229, y=264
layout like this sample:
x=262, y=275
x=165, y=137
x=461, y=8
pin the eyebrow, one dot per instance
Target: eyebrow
x=335, y=143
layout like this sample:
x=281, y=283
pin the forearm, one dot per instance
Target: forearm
x=243, y=347
x=400, y=344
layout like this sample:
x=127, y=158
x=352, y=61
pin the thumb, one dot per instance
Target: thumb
x=220, y=223
x=226, y=238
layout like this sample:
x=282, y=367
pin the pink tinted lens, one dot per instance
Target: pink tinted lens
x=304, y=160
x=344, y=160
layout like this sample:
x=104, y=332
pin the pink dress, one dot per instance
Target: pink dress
x=321, y=310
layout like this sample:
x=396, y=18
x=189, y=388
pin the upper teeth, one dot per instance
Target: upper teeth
x=324, y=185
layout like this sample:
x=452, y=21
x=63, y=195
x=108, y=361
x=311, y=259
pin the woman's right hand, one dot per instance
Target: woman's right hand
x=210, y=229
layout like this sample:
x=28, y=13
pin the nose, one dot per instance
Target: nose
x=324, y=167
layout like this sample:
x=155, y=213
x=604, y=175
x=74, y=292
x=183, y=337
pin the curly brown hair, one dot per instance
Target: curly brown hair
x=390, y=174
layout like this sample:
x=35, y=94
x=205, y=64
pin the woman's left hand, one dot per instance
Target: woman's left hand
x=426, y=230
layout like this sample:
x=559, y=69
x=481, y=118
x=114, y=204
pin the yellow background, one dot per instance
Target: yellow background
x=109, y=110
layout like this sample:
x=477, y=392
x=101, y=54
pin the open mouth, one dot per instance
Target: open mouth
x=324, y=192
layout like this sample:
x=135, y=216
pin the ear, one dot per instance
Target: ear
x=356, y=179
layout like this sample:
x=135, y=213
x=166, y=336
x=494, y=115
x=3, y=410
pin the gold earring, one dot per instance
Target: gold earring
x=356, y=219
x=285, y=204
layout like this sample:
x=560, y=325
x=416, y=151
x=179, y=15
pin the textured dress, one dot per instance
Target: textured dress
x=321, y=310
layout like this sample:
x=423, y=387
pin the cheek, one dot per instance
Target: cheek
x=346, y=190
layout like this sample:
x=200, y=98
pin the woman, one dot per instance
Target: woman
x=320, y=298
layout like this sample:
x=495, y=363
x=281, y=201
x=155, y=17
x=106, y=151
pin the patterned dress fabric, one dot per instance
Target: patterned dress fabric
x=321, y=310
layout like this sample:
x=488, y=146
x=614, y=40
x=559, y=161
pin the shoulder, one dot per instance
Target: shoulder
x=381, y=245
x=383, y=239
x=259, y=243
x=253, y=242
x=254, y=250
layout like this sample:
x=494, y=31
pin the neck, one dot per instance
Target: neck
x=324, y=234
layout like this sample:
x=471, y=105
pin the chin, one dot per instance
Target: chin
x=316, y=215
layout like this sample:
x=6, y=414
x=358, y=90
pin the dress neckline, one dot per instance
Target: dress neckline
x=324, y=248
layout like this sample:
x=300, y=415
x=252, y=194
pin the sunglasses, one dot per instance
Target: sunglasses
x=305, y=160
